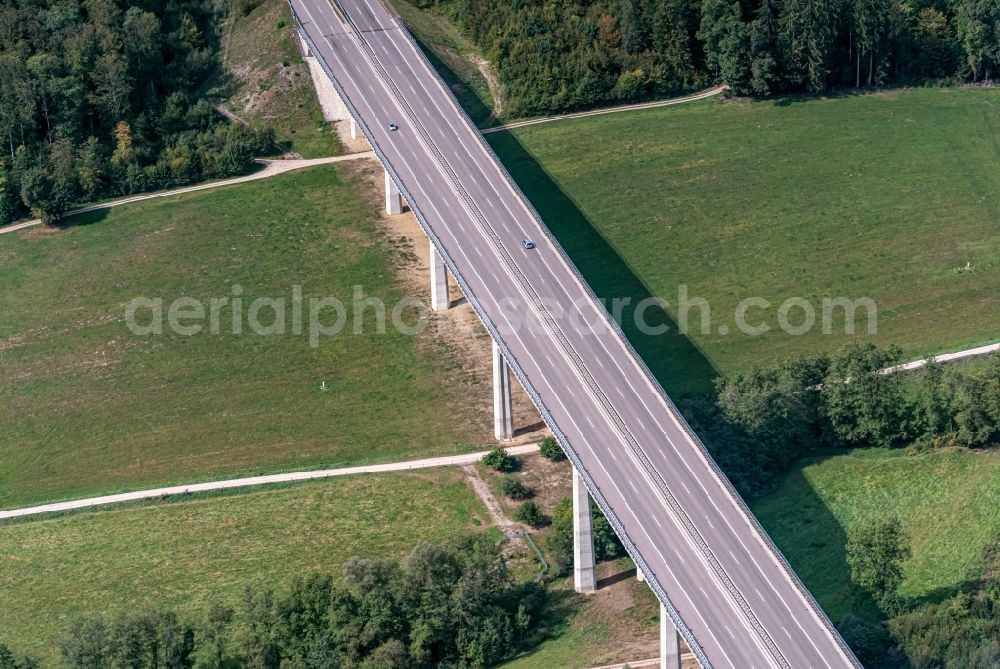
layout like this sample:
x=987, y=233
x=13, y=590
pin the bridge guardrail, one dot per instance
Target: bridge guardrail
x=567, y=347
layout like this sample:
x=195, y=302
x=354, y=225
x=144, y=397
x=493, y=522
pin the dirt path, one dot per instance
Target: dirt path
x=407, y=465
x=510, y=529
x=270, y=168
x=946, y=357
x=233, y=116
x=612, y=110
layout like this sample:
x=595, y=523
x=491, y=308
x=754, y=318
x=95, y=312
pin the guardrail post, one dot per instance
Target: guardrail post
x=503, y=419
x=439, y=282
x=670, y=643
x=584, y=567
x=393, y=202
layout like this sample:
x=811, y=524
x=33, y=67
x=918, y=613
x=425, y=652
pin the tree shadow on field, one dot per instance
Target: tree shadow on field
x=556, y=616
x=814, y=542
x=677, y=363
x=79, y=220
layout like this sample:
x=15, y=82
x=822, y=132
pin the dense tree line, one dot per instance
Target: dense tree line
x=761, y=422
x=555, y=56
x=103, y=97
x=439, y=607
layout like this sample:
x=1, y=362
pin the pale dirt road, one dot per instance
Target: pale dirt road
x=701, y=95
x=426, y=463
x=271, y=168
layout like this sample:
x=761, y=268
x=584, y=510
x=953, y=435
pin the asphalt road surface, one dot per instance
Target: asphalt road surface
x=735, y=600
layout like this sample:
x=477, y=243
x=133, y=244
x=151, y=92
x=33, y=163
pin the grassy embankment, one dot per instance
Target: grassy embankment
x=268, y=84
x=90, y=408
x=183, y=554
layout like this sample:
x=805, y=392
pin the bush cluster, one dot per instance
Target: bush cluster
x=761, y=422
x=512, y=488
x=529, y=514
x=500, y=460
x=550, y=449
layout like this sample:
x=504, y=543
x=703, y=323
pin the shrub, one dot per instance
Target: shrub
x=560, y=535
x=500, y=460
x=529, y=514
x=512, y=488
x=550, y=450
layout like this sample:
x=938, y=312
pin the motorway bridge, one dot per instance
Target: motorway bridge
x=722, y=584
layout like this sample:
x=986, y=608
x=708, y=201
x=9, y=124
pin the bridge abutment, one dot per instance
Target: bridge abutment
x=584, y=566
x=439, y=284
x=393, y=201
x=503, y=416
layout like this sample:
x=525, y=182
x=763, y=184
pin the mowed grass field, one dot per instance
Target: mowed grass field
x=948, y=501
x=186, y=553
x=883, y=196
x=87, y=407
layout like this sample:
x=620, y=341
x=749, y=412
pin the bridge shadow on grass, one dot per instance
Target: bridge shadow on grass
x=813, y=540
x=677, y=363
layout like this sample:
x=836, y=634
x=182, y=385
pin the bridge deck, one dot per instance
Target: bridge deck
x=728, y=589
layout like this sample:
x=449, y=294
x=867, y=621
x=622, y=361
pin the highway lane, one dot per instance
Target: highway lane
x=746, y=559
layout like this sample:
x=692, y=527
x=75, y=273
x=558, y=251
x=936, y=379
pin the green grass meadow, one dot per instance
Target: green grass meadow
x=184, y=553
x=948, y=502
x=885, y=196
x=87, y=407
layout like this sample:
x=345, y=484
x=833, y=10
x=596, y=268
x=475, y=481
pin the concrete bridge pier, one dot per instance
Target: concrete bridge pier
x=584, y=566
x=393, y=201
x=670, y=642
x=503, y=416
x=439, y=290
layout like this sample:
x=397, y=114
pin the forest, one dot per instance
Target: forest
x=560, y=55
x=100, y=98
